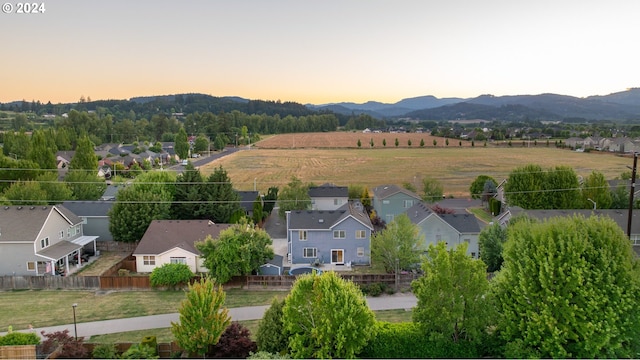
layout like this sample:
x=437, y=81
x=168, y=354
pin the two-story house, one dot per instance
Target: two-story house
x=328, y=196
x=392, y=200
x=333, y=237
x=453, y=229
x=38, y=240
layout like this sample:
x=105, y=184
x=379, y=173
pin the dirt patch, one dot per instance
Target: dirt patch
x=102, y=263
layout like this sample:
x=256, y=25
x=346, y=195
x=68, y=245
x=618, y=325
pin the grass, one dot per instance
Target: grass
x=456, y=168
x=53, y=307
x=164, y=334
x=481, y=214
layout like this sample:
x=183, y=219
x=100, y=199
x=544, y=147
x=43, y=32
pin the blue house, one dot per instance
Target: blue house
x=453, y=229
x=392, y=200
x=328, y=238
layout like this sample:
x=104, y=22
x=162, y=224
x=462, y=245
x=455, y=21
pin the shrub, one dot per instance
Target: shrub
x=19, y=338
x=235, y=342
x=267, y=355
x=105, y=351
x=373, y=289
x=151, y=342
x=170, y=275
x=271, y=336
x=70, y=348
x=138, y=351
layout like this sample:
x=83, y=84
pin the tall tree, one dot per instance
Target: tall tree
x=451, y=295
x=569, y=288
x=83, y=177
x=222, y=202
x=238, y=250
x=270, y=200
x=432, y=190
x=203, y=317
x=595, y=188
x=189, y=197
x=478, y=185
x=294, y=196
x=41, y=152
x=491, y=242
x=399, y=244
x=327, y=317
x=182, y=144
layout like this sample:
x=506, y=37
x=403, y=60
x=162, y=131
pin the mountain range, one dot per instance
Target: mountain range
x=624, y=105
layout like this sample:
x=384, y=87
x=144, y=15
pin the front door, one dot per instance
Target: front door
x=337, y=256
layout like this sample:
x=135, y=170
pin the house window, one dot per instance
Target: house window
x=360, y=252
x=473, y=255
x=385, y=202
x=361, y=234
x=339, y=234
x=44, y=242
x=408, y=204
x=61, y=234
x=69, y=232
x=178, y=260
x=149, y=260
x=31, y=266
x=302, y=235
x=337, y=202
x=310, y=253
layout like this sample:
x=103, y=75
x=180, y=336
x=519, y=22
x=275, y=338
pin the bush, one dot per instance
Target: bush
x=105, y=351
x=271, y=336
x=69, y=347
x=170, y=275
x=138, y=351
x=19, y=338
x=267, y=355
x=235, y=342
x=151, y=342
x=373, y=289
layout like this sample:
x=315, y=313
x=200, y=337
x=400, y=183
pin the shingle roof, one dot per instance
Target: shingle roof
x=247, y=198
x=620, y=216
x=384, y=191
x=418, y=212
x=89, y=208
x=328, y=190
x=23, y=223
x=164, y=235
x=463, y=223
x=326, y=219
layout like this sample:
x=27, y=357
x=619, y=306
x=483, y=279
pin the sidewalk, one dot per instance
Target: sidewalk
x=88, y=329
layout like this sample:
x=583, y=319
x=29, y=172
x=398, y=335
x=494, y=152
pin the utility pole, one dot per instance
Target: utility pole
x=633, y=188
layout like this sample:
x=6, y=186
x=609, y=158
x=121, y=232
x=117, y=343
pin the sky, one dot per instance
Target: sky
x=318, y=51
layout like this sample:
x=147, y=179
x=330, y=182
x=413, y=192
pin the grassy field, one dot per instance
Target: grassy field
x=165, y=335
x=49, y=307
x=454, y=167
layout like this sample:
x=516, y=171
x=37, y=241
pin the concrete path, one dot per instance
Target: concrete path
x=88, y=329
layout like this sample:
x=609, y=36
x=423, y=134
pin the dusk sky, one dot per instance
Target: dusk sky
x=319, y=51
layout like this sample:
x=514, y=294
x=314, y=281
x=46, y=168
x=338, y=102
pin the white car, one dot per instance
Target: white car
x=184, y=162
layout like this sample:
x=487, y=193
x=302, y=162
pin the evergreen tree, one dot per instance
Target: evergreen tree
x=82, y=178
x=182, y=144
x=221, y=200
x=189, y=197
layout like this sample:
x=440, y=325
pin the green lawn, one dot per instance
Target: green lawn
x=53, y=307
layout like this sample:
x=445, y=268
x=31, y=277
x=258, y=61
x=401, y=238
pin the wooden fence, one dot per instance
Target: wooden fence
x=18, y=352
x=271, y=282
x=9, y=282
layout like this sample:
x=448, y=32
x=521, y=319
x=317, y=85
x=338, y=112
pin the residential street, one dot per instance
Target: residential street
x=87, y=329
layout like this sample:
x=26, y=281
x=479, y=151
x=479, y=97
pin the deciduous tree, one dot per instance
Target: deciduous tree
x=294, y=196
x=182, y=144
x=491, y=241
x=271, y=336
x=327, y=317
x=399, y=244
x=569, y=288
x=477, y=186
x=432, y=190
x=596, y=188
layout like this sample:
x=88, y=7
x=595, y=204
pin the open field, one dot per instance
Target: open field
x=454, y=167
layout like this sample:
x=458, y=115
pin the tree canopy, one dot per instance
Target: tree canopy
x=398, y=244
x=294, y=196
x=532, y=187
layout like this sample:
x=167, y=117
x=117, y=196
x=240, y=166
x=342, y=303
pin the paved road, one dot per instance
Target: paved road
x=87, y=329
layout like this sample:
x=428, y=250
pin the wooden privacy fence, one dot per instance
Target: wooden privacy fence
x=10, y=282
x=271, y=282
x=18, y=352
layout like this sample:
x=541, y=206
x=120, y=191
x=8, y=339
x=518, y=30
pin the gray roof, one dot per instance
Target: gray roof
x=164, y=235
x=463, y=223
x=384, y=191
x=89, y=208
x=276, y=261
x=418, y=212
x=620, y=216
x=326, y=219
x=23, y=223
x=328, y=190
x=247, y=198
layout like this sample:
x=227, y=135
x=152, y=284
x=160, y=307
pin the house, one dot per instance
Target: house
x=622, y=144
x=575, y=142
x=94, y=216
x=328, y=196
x=247, y=198
x=335, y=237
x=173, y=242
x=392, y=200
x=39, y=240
x=453, y=229
x=273, y=266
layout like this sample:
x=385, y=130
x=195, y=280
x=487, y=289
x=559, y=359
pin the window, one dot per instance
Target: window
x=360, y=252
x=61, y=234
x=149, y=260
x=473, y=255
x=310, y=253
x=408, y=204
x=361, y=234
x=337, y=202
x=178, y=260
x=31, y=266
x=302, y=235
x=69, y=232
x=44, y=242
x=339, y=234
x=385, y=202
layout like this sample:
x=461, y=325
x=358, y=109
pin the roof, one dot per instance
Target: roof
x=384, y=191
x=89, y=208
x=276, y=261
x=463, y=223
x=247, y=198
x=459, y=206
x=418, y=212
x=620, y=216
x=326, y=219
x=164, y=235
x=328, y=190
x=23, y=223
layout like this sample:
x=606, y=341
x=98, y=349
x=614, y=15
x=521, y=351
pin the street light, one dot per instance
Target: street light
x=75, y=326
x=593, y=202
